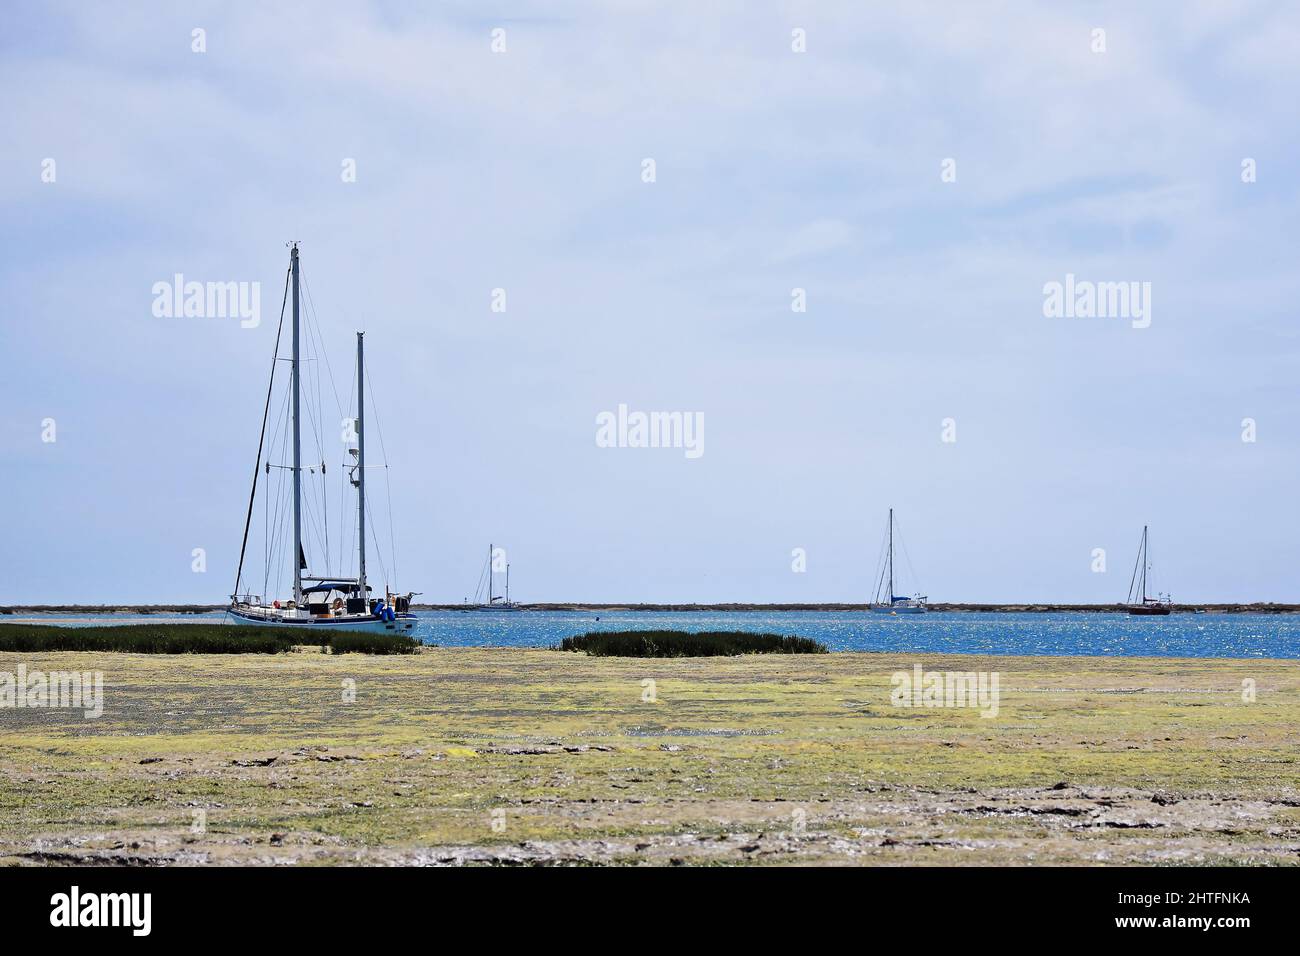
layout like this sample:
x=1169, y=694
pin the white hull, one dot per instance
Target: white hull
x=898, y=609
x=369, y=623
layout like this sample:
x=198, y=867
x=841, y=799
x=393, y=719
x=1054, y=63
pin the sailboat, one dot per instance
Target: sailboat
x=886, y=601
x=319, y=600
x=1138, y=601
x=495, y=602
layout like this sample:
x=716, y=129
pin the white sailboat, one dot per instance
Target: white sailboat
x=885, y=600
x=319, y=600
x=495, y=602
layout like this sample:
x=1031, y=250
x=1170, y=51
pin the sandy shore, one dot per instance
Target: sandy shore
x=521, y=756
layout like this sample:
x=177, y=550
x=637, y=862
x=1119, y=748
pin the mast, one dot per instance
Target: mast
x=361, y=465
x=891, y=555
x=489, y=574
x=297, y=447
x=1144, y=564
x=261, y=441
x=507, y=583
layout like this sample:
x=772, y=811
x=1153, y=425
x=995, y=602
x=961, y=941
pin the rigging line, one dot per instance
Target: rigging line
x=320, y=449
x=318, y=502
x=282, y=437
x=379, y=555
x=880, y=587
x=478, y=586
x=374, y=410
x=347, y=539
x=312, y=305
x=348, y=461
x=318, y=412
x=484, y=575
x=350, y=538
x=907, y=558
x=315, y=431
x=252, y=493
x=316, y=338
x=343, y=484
x=881, y=559
x=265, y=522
x=383, y=450
x=1153, y=581
x=392, y=537
x=278, y=534
x=1133, y=579
x=276, y=450
x=1151, y=572
x=273, y=519
x=313, y=529
x=283, y=543
x=880, y=565
x=273, y=533
x=349, y=529
x=322, y=540
x=279, y=530
x=266, y=537
x=325, y=512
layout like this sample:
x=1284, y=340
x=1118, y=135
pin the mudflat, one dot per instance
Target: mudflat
x=518, y=756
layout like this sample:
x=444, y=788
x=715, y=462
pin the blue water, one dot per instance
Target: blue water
x=1118, y=635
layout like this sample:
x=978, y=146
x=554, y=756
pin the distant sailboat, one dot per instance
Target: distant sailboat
x=1138, y=601
x=886, y=601
x=495, y=602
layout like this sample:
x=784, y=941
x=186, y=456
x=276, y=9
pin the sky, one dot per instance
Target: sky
x=920, y=171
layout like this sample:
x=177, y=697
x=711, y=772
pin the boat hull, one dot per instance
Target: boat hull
x=899, y=609
x=402, y=624
x=1149, y=611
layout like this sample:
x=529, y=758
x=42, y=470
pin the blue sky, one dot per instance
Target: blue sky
x=775, y=170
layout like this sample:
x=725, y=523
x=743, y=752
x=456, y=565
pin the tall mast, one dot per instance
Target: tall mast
x=489, y=574
x=1144, y=564
x=507, y=584
x=297, y=446
x=361, y=464
x=891, y=555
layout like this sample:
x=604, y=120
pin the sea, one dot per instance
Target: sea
x=951, y=632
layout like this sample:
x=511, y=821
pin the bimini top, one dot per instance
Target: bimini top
x=333, y=586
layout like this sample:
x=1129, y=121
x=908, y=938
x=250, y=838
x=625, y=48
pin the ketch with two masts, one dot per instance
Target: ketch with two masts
x=318, y=600
x=495, y=602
